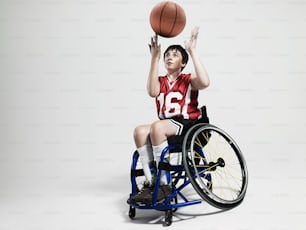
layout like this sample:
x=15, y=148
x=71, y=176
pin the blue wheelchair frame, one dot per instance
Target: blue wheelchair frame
x=176, y=170
x=185, y=172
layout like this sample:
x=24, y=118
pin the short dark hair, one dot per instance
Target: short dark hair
x=182, y=51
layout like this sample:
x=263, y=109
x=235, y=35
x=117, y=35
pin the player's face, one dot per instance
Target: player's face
x=173, y=60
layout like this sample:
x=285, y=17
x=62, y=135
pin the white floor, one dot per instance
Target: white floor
x=91, y=202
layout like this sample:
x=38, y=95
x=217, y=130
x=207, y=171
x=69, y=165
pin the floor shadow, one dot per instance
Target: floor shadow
x=152, y=216
x=149, y=216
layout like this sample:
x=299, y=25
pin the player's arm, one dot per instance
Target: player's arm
x=199, y=79
x=153, y=85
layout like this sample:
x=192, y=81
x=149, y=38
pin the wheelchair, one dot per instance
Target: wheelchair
x=208, y=159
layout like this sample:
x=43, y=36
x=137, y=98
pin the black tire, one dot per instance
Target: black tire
x=215, y=167
x=168, y=217
x=132, y=212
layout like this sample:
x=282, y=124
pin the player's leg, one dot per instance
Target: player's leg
x=153, y=136
x=144, y=148
x=142, y=135
x=160, y=130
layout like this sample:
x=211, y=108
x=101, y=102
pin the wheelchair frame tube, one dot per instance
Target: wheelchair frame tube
x=157, y=182
x=133, y=167
x=166, y=204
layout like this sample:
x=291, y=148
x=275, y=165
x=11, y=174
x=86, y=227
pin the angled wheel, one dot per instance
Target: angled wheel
x=132, y=212
x=168, y=218
x=215, y=166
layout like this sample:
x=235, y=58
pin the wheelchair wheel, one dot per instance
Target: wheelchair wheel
x=215, y=166
x=132, y=212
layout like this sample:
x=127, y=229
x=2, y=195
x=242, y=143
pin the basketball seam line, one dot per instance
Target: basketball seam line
x=173, y=25
x=161, y=16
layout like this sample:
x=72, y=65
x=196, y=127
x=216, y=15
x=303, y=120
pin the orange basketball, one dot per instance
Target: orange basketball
x=167, y=19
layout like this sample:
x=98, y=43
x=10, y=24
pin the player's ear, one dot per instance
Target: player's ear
x=183, y=65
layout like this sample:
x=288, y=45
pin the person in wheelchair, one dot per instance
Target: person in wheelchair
x=176, y=96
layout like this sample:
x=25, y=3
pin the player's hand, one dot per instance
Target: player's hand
x=191, y=44
x=154, y=47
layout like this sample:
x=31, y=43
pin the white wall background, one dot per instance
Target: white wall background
x=73, y=87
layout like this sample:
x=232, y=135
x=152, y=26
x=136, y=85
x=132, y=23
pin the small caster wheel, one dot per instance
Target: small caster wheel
x=168, y=218
x=132, y=212
x=175, y=201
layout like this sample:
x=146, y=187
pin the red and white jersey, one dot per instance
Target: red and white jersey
x=176, y=99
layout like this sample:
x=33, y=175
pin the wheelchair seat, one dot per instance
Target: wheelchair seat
x=176, y=140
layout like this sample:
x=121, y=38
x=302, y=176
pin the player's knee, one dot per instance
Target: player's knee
x=140, y=132
x=157, y=129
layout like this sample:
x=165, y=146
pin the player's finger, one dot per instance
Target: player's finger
x=156, y=38
x=196, y=31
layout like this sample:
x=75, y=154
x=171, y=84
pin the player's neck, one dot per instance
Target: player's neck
x=173, y=76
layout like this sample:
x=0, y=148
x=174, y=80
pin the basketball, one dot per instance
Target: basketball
x=167, y=19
